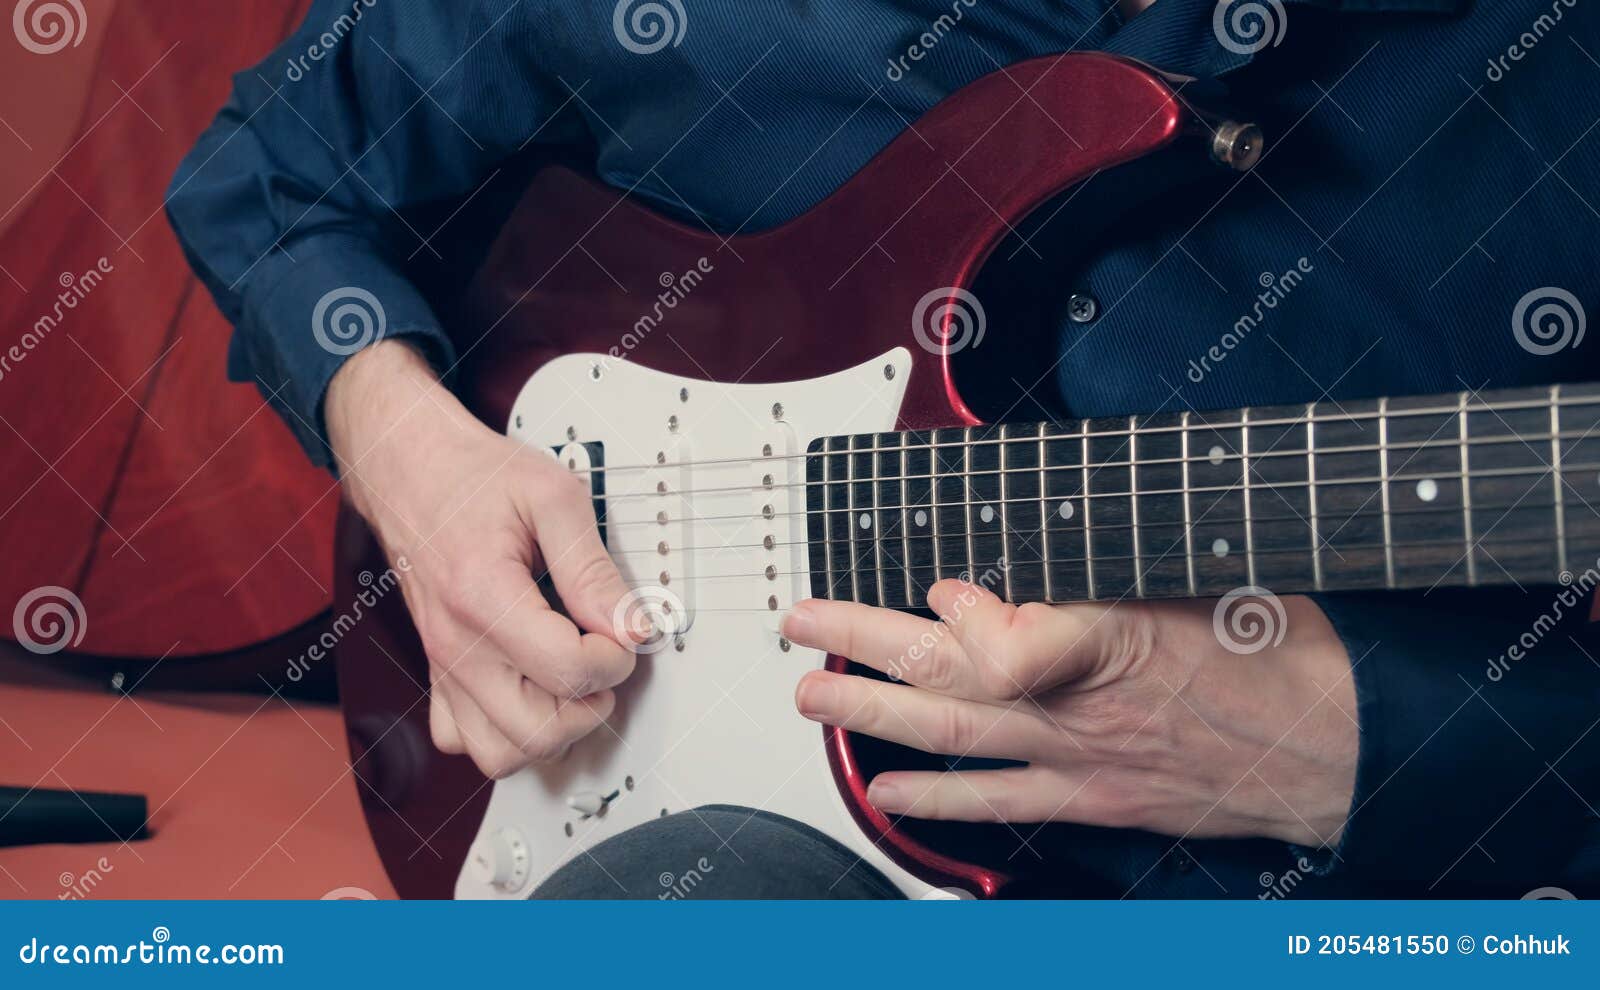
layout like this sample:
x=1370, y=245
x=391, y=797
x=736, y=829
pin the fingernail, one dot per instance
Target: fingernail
x=817, y=696
x=800, y=626
x=885, y=795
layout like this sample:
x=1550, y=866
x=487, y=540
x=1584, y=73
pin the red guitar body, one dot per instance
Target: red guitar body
x=576, y=264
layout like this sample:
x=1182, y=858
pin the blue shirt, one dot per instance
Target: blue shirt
x=1431, y=165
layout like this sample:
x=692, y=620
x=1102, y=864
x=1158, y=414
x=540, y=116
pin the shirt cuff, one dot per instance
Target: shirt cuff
x=1475, y=709
x=305, y=315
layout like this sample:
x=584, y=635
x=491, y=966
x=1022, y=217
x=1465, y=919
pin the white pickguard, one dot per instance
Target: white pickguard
x=714, y=722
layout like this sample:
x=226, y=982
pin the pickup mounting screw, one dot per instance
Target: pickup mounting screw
x=766, y=450
x=572, y=433
x=772, y=603
x=767, y=542
x=772, y=573
x=777, y=410
x=672, y=423
x=888, y=372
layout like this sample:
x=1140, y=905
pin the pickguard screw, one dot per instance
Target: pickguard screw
x=672, y=423
x=679, y=645
x=594, y=372
x=572, y=433
x=568, y=829
x=783, y=644
x=627, y=783
x=519, y=422
x=777, y=410
x=683, y=395
x=888, y=372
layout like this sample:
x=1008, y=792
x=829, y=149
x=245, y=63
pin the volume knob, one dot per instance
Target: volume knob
x=501, y=860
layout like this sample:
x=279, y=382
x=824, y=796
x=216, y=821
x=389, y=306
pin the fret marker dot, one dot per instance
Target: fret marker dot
x=1219, y=547
x=986, y=514
x=1065, y=510
x=866, y=520
x=1217, y=454
x=921, y=518
x=1427, y=489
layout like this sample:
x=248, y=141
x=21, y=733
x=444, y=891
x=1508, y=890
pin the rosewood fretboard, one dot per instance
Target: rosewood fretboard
x=1471, y=489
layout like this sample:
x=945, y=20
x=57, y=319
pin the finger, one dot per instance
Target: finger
x=920, y=719
x=569, y=540
x=543, y=645
x=1009, y=795
x=903, y=646
x=493, y=753
x=442, y=724
x=1018, y=650
x=536, y=723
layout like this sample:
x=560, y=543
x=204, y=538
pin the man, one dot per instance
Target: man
x=1419, y=193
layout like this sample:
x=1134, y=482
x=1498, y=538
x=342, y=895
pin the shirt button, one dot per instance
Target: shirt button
x=1181, y=862
x=1082, y=307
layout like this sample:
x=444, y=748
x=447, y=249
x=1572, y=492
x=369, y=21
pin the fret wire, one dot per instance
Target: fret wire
x=905, y=527
x=827, y=509
x=1466, y=495
x=1383, y=472
x=966, y=492
x=1555, y=471
x=1005, y=523
x=1244, y=476
x=850, y=521
x=877, y=529
x=1311, y=494
x=1044, y=518
x=1188, y=514
x=1133, y=503
x=1088, y=539
x=933, y=509
x=1510, y=406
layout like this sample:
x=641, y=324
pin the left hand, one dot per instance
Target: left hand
x=1133, y=715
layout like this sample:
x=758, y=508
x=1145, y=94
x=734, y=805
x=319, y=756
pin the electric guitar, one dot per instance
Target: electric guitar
x=778, y=416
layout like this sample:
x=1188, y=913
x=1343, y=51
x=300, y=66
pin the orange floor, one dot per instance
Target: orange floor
x=250, y=797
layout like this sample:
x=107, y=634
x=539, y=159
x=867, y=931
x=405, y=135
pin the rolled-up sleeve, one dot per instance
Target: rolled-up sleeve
x=1480, y=753
x=292, y=206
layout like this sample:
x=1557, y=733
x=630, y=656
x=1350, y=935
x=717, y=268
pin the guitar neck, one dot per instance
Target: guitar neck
x=1470, y=489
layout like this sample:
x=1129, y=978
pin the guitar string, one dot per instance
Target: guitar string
x=1455, y=409
x=1096, y=466
x=1319, y=484
x=1338, y=522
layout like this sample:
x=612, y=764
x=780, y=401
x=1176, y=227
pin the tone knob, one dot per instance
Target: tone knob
x=501, y=860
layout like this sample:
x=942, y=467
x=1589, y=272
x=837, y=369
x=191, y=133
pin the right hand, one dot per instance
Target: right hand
x=477, y=515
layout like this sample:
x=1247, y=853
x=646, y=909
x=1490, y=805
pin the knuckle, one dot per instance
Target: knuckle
x=996, y=677
x=937, y=668
x=958, y=731
x=544, y=746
